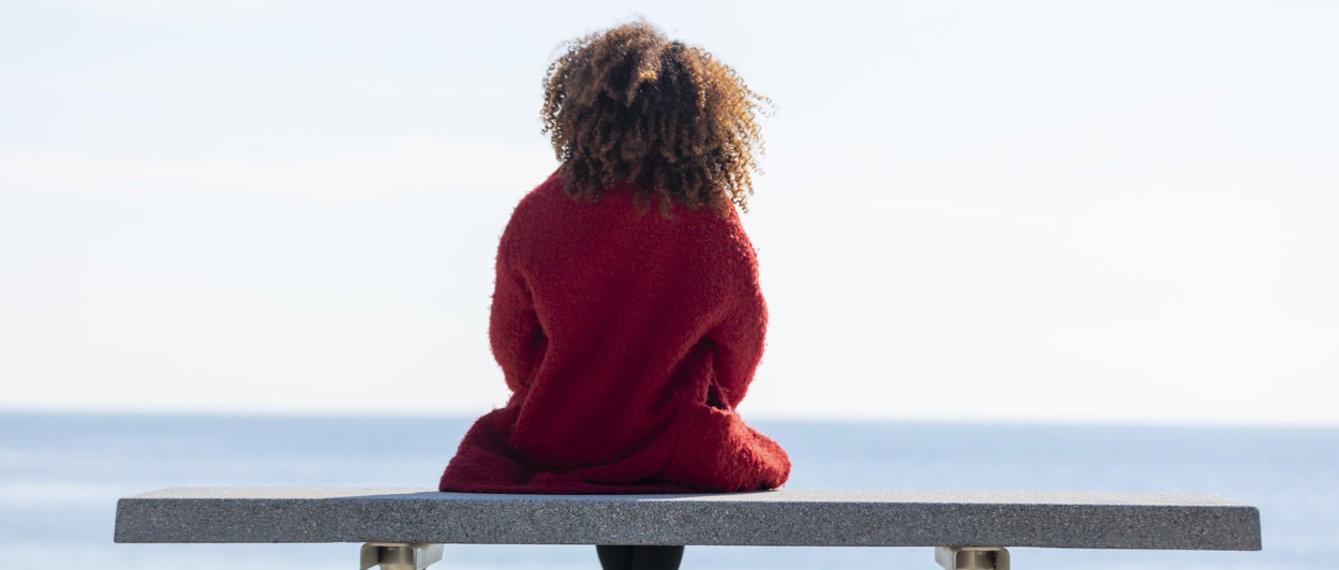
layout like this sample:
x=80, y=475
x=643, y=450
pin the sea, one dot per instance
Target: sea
x=61, y=474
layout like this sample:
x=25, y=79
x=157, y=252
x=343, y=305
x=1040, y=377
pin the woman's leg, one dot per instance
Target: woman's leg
x=656, y=557
x=614, y=557
x=639, y=557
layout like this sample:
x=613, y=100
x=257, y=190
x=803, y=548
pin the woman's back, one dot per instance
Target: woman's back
x=626, y=336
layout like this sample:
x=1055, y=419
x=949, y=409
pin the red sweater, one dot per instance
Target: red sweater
x=627, y=340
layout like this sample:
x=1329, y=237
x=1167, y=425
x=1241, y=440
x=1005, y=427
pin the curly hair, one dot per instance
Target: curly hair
x=628, y=105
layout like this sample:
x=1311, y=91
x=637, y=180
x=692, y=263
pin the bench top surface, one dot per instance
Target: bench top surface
x=785, y=517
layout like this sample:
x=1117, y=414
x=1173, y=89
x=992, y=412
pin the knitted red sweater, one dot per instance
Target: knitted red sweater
x=627, y=339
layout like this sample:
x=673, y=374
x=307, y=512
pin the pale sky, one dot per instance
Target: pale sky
x=1033, y=211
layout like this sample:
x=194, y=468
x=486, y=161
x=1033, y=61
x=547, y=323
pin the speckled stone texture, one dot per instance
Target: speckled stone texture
x=786, y=517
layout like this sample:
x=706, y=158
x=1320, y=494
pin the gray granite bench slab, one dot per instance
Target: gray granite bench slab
x=777, y=518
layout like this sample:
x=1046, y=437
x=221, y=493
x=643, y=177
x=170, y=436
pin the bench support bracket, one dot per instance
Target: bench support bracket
x=399, y=555
x=972, y=557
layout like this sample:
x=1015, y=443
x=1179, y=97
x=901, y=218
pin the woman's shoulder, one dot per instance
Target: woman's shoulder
x=549, y=208
x=548, y=190
x=540, y=202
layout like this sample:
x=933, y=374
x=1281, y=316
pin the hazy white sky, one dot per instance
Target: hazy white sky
x=1118, y=211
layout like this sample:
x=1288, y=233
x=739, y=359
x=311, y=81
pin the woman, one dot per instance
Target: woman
x=628, y=336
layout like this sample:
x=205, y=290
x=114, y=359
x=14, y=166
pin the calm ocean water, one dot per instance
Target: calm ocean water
x=60, y=476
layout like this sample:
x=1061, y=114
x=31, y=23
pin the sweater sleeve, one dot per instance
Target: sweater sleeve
x=739, y=336
x=514, y=330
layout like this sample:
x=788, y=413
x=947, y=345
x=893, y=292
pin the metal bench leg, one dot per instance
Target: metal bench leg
x=399, y=555
x=972, y=557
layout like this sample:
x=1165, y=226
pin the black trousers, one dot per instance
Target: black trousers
x=639, y=557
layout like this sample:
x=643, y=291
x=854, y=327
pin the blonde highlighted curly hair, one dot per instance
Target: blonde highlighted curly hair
x=628, y=105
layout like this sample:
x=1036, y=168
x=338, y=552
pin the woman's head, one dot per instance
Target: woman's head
x=629, y=105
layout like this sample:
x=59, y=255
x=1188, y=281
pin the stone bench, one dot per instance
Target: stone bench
x=403, y=529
